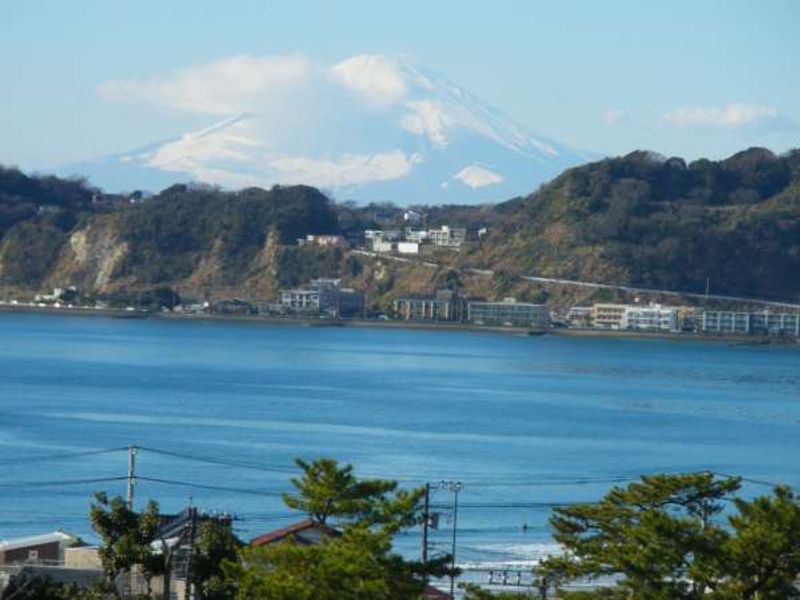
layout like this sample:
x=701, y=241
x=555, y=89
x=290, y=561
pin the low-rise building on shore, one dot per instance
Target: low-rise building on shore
x=509, y=313
x=651, y=317
x=446, y=305
x=608, y=316
x=324, y=297
x=751, y=323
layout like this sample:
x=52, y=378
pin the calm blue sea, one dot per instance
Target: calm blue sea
x=522, y=422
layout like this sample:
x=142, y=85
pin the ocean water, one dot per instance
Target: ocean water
x=524, y=423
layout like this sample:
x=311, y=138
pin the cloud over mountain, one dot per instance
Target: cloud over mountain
x=731, y=116
x=369, y=127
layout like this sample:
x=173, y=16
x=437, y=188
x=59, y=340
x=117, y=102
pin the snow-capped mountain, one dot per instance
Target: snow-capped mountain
x=370, y=128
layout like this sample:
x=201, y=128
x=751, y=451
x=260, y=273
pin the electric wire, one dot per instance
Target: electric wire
x=57, y=483
x=61, y=456
x=218, y=461
x=484, y=483
x=203, y=486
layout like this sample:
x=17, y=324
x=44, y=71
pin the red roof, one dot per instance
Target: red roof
x=292, y=531
x=432, y=593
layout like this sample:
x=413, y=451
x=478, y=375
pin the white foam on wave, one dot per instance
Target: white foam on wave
x=510, y=555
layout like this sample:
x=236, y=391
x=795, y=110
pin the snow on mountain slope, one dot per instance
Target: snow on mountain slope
x=369, y=128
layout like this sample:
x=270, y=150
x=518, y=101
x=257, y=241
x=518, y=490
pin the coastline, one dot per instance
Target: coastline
x=114, y=313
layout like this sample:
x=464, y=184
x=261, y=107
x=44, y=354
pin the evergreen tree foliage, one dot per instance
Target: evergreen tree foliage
x=356, y=560
x=666, y=538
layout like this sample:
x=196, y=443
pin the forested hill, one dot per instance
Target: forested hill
x=646, y=220
x=638, y=220
x=60, y=232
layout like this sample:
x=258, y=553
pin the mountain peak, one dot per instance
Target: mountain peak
x=370, y=127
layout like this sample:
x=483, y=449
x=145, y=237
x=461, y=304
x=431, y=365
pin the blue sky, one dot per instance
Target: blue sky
x=691, y=78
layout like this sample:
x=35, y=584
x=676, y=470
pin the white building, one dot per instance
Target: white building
x=446, y=236
x=412, y=217
x=760, y=323
x=381, y=241
x=323, y=296
x=651, y=317
x=416, y=235
x=408, y=247
x=325, y=241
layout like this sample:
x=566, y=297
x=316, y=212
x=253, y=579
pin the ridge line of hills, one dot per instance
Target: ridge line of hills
x=639, y=220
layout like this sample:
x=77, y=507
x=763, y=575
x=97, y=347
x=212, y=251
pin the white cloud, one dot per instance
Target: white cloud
x=427, y=118
x=225, y=141
x=613, y=116
x=349, y=169
x=233, y=85
x=732, y=116
x=372, y=76
x=476, y=176
x=287, y=119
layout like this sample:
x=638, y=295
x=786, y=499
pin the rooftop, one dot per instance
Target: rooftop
x=37, y=540
x=296, y=531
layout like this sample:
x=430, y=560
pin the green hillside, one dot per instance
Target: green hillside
x=637, y=220
x=644, y=220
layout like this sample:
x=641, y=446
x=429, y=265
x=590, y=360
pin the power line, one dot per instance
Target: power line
x=203, y=486
x=219, y=461
x=40, y=484
x=61, y=456
x=546, y=482
x=540, y=505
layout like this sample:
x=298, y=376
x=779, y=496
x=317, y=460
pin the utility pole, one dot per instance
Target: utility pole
x=455, y=487
x=131, y=474
x=187, y=592
x=426, y=517
x=708, y=286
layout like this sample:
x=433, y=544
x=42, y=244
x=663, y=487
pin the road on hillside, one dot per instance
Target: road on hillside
x=590, y=284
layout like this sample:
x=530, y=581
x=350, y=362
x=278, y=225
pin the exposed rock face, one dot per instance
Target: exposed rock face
x=91, y=257
x=262, y=274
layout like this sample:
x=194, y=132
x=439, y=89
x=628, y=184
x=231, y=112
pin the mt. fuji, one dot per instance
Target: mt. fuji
x=369, y=128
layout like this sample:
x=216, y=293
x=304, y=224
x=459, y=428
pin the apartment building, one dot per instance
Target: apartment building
x=323, y=296
x=757, y=323
x=609, y=316
x=448, y=237
x=509, y=313
x=446, y=305
x=651, y=317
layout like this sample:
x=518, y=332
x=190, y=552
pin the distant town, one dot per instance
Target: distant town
x=327, y=299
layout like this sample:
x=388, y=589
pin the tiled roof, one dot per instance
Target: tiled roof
x=279, y=534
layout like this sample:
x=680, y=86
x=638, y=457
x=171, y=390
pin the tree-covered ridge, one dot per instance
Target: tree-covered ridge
x=639, y=220
x=62, y=232
x=43, y=190
x=168, y=235
x=645, y=220
x=23, y=197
